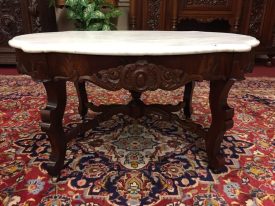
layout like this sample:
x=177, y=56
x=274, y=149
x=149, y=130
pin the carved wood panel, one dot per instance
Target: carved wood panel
x=256, y=18
x=147, y=14
x=153, y=11
x=141, y=76
x=35, y=20
x=10, y=25
x=207, y=3
x=10, y=20
x=20, y=17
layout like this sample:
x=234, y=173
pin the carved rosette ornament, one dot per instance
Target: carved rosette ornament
x=139, y=77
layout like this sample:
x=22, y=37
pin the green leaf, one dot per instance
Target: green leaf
x=113, y=13
x=92, y=14
x=88, y=12
x=98, y=15
x=83, y=3
x=99, y=2
x=106, y=27
x=95, y=27
x=70, y=3
x=116, y=13
x=72, y=15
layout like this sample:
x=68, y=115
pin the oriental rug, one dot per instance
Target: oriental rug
x=137, y=162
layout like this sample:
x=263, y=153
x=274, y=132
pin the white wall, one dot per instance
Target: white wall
x=65, y=24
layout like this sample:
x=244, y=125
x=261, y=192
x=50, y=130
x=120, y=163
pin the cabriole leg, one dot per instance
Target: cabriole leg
x=52, y=117
x=187, y=98
x=222, y=120
x=82, y=98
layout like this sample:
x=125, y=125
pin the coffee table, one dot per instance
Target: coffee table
x=137, y=61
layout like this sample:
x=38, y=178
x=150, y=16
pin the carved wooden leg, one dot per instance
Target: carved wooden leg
x=136, y=105
x=52, y=117
x=187, y=98
x=82, y=98
x=135, y=95
x=222, y=120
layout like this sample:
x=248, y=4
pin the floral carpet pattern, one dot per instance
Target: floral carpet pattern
x=137, y=162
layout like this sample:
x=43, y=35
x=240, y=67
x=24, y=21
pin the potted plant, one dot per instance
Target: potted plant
x=58, y=3
x=91, y=14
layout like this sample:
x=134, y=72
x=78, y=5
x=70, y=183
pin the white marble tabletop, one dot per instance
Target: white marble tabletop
x=130, y=43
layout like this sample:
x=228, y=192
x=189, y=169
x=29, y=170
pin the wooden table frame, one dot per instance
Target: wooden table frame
x=136, y=74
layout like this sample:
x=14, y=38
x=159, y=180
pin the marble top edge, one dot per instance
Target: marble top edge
x=133, y=42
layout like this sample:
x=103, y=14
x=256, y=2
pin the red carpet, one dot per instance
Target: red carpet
x=149, y=162
x=8, y=71
x=262, y=71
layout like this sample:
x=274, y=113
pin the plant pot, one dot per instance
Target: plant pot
x=114, y=2
x=60, y=3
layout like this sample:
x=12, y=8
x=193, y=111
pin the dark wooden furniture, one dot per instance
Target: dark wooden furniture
x=258, y=20
x=167, y=15
x=21, y=17
x=251, y=17
x=136, y=73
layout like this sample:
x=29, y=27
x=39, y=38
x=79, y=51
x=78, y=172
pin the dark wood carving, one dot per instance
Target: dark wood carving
x=136, y=74
x=37, y=68
x=259, y=21
x=207, y=3
x=82, y=98
x=10, y=20
x=153, y=14
x=187, y=98
x=20, y=17
x=256, y=18
x=141, y=76
x=10, y=26
x=35, y=21
x=222, y=120
x=133, y=73
x=223, y=13
x=52, y=117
